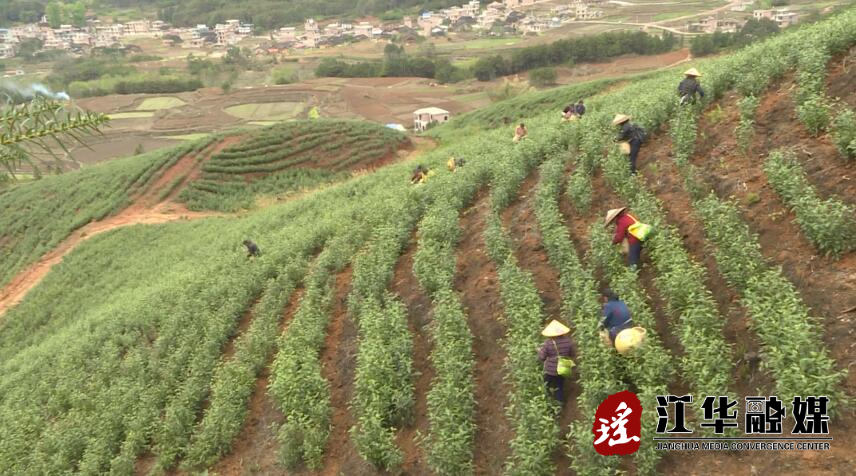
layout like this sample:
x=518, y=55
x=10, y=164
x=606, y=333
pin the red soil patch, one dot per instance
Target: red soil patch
x=255, y=448
x=477, y=282
x=146, y=209
x=579, y=223
x=520, y=221
x=841, y=82
x=666, y=182
x=339, y=368
x=419, y=317
x=828, y=286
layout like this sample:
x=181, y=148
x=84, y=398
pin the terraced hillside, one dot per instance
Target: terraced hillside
x=392, y=327
x=290, y=156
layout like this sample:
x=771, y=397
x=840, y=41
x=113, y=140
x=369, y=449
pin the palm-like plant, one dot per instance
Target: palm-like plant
x=41, y=126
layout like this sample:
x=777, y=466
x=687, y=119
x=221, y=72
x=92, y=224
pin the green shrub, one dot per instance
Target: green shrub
x=542, y=76
x=745, y=130
x=827, y=223
x=814, y=113
x=844, y=133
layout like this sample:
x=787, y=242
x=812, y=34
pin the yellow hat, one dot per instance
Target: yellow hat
x=555, y=329
x=630, y=339
x=612, y=215
x=692, y=72
x=619, y=118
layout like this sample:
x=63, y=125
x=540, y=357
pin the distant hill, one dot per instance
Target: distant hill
x=264, y=13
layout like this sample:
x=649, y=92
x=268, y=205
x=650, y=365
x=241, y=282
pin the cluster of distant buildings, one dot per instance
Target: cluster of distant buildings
x=783, y=17
x=98, y=35
x=510, y=14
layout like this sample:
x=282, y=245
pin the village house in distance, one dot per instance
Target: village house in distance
x=429, y=116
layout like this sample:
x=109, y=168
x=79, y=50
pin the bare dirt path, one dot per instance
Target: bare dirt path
x=339, y=365
x=148, y=209
x=419, y=317
x=478, y=284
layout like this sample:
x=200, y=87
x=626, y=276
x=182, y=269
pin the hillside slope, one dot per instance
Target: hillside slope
x=380, y=310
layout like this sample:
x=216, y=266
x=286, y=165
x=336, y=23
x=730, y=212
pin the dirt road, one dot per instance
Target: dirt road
x=155, y=205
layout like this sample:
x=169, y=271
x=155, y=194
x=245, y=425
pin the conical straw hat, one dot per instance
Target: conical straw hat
x=612, y=214
x=692, y=72
x=619, y=118
x=555, y=329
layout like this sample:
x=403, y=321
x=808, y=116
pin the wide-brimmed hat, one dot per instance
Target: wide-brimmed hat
x=612, y=214
x=692, y=72
x=555, y=329
x=620, y=118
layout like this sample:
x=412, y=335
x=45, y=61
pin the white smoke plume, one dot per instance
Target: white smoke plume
x=29, y=91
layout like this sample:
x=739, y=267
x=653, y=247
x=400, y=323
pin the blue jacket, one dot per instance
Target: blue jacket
x=616, y=314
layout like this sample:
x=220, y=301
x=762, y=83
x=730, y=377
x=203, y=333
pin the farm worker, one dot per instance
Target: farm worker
x=569, y=112
x=623, y=220
x=252, y=249
x=616, y=315
x=520, y=132
x=419, y=175
x=557, y=346
x=580, y=108
x=689, y=86
x=454, y=164
x=632, y=136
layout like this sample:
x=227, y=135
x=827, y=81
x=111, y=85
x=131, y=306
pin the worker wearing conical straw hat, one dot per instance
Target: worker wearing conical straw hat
x=556, y=353
x=689, y=86
x=630, y=244
x=630, y=137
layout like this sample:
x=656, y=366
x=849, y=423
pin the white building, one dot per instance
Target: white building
x=81, y=38
x=471, y=9
x=364, y=28
x=423, y=118
x=138, y=28
x=333, y=29
x=782, y=16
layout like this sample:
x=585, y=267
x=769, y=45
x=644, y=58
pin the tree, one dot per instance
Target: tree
x=488, y=68
x=393, y=52
x=29, y=47
x=35, y=129
x=54, y=13
x=76, y=13
x=702, y=46
x=755, y=30
x=428, y=50
x=234, y=56
x=542, y=76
